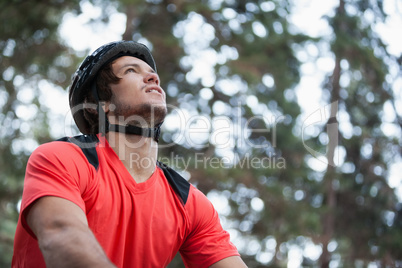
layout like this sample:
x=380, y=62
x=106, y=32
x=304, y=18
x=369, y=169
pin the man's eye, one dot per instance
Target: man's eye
x=130, y=70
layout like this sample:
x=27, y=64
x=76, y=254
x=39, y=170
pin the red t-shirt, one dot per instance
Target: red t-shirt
x=137, y=224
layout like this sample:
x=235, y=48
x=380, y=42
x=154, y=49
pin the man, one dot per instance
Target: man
x=102, y=199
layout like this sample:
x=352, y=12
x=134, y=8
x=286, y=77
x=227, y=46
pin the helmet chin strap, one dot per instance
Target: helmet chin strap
x=105, y=126
x=134, y=130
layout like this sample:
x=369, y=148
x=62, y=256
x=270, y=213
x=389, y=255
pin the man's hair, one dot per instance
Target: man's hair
x=103, y=80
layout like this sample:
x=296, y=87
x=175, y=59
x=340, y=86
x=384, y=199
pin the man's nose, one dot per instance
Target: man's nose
x=151, y=77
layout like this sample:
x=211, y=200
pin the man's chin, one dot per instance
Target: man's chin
x=146, y=115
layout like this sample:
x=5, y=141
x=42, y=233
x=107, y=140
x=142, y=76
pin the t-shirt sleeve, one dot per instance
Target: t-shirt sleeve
x=207, y=243
x=57, y=169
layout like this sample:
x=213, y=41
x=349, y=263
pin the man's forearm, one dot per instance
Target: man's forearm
x=73, y=248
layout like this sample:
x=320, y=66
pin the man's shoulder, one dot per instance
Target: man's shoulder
x=68, y=148
x=87, y=145
x=82, y=141
x=179, y=184
x=189, y=194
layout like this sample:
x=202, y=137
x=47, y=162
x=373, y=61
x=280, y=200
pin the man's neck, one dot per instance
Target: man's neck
x=137, y=153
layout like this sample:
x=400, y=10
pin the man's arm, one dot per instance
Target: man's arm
x=63, y=234
x=229, y=262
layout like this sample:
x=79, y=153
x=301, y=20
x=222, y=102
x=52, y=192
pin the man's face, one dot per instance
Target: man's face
x=137, y=98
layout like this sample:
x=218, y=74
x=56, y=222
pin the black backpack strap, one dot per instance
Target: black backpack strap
x=87, y=143
x=179, y=184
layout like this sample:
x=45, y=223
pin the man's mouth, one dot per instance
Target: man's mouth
x=153, y=89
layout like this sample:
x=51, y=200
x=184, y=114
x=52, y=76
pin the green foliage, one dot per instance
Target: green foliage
x=30, y=51
x=261, y=71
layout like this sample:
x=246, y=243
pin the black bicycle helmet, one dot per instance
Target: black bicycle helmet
x=84, y=82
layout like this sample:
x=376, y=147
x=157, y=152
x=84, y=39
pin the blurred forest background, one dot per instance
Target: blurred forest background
x=321, y=195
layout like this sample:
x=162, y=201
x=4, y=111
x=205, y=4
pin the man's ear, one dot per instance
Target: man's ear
x=106, y=106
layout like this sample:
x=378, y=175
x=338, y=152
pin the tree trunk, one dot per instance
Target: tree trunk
x=332, y=132
x=130, y=23
x=330, y=175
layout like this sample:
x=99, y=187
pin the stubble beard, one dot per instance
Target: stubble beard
x=144, y=115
